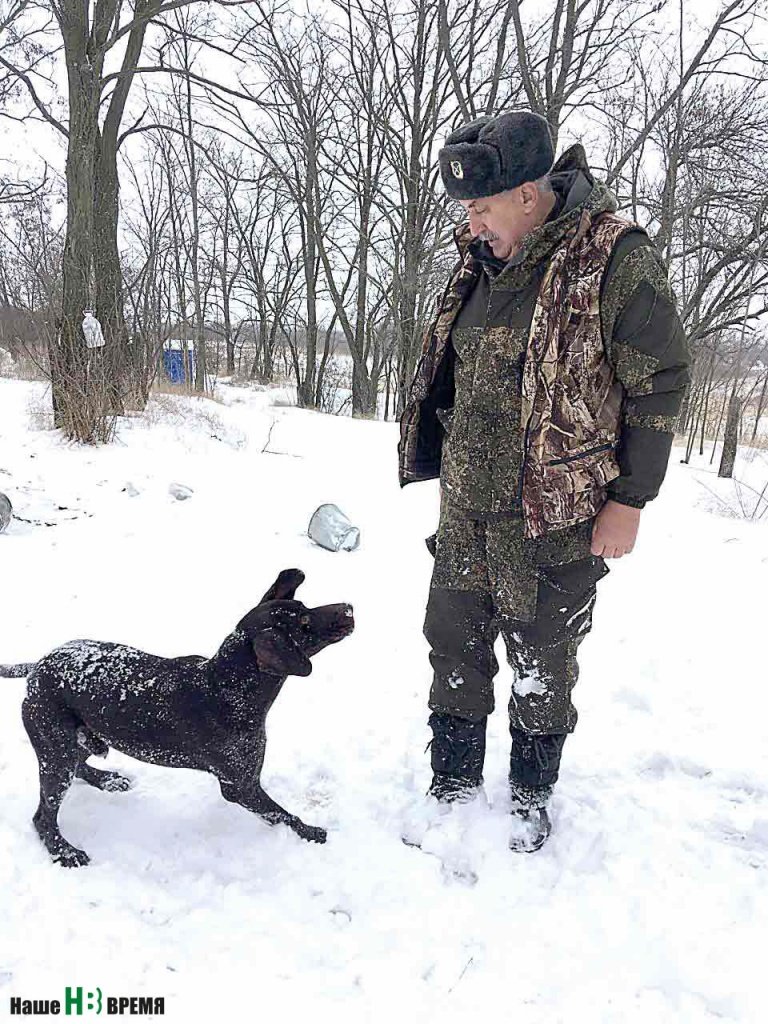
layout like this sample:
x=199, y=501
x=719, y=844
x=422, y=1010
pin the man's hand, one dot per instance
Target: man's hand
x=615, y=530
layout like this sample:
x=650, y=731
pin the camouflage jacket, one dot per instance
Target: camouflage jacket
x=604, y=367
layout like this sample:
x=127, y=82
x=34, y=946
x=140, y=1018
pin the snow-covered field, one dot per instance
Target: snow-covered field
x=650, y=902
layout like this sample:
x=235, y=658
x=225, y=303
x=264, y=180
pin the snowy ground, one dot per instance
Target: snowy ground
x=649, y=903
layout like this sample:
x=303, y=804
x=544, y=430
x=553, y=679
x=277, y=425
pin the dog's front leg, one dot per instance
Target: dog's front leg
x=255, y=799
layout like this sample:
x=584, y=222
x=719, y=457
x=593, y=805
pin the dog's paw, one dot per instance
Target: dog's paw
x=312, y=833
x=70, y=857
x=117, y=783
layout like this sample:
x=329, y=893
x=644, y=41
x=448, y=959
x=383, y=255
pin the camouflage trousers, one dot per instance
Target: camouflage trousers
x=539, y=594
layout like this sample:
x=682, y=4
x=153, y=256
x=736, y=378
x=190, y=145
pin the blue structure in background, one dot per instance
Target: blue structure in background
x=173, y=361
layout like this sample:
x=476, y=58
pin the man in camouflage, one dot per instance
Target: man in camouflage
x=545, y=399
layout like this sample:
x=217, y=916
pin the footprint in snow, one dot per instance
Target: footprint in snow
x=661, y=766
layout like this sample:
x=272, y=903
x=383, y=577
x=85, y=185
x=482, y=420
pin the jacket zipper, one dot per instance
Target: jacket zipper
x=581, y=455
x=522, y=465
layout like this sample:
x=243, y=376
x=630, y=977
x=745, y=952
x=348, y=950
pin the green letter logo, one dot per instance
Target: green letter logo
x=73, y=1004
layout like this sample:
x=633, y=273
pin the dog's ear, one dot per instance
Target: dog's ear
x=285, y=586
x=277, y=653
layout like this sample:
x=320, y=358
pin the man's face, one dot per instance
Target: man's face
x=503, y=220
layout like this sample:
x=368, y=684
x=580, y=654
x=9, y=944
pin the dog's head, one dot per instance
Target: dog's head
x=285, y=634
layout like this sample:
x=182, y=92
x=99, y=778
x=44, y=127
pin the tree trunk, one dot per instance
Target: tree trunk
x=731, y=437
x=363, y=400
x=685, y=408
x=228, y=338
x=760, y=407
x=77, y=406
x=305, y=392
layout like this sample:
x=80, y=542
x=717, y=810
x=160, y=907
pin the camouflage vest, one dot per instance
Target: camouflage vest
x=571, y=399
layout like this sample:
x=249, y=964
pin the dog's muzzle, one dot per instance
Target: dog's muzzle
x=348, y=619
x=342, y=623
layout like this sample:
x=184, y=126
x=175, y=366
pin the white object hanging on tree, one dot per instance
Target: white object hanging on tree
x=94, y=336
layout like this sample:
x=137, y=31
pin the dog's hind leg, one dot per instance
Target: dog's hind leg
x=52, y=733
x=110, y=782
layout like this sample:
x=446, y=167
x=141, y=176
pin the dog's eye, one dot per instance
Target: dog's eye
x=305, y=620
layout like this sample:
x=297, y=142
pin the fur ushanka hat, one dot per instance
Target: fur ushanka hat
x=493, y=154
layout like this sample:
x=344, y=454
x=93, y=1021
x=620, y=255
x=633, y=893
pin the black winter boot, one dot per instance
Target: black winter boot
x=534, y=764
x=530, y=829
x=533, y=768
x=457, y=756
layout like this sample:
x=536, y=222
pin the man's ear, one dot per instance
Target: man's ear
x=278, y=654
x=285, y=586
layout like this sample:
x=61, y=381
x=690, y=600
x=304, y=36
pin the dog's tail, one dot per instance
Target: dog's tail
x=16, y=671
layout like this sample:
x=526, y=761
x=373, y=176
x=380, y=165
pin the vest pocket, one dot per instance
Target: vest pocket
x=582, y=455
x=573, y=488
x=593, y=467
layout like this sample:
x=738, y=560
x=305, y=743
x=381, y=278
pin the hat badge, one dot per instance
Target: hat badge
x=457, y=169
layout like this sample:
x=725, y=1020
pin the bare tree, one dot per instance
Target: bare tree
x=270, y=267
x=731, y=437
x=30, y=279
x=294, y=93
x=226, y=176
x=148, y=271
x=421, y=111
x=91, y=37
